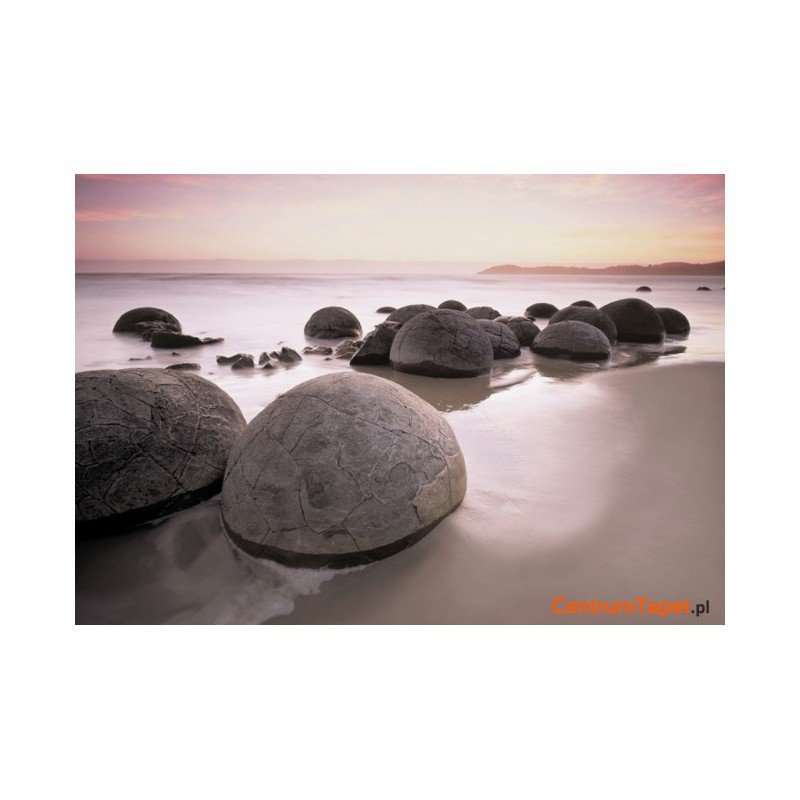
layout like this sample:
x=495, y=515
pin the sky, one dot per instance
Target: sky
x=482, y=220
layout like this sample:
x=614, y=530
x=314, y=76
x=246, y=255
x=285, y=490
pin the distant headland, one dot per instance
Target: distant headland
x=668, y=268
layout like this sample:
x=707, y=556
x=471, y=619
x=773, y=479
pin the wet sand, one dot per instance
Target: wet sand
x=606, y=488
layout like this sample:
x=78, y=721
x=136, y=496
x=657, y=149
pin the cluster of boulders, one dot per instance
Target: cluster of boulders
x=158, y=327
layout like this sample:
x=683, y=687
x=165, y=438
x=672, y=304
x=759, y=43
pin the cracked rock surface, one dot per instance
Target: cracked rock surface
x=127, y=322
x=524, y=329
x=147, y=442
x=584, y=304
x=504, y=342
x=453, y=305
x=540, y=311
x=483, y=312
x=636, y=320
x=376, y=347
x=591, y=316
x=442, y=344
x=405, y=313
x=332, y=322
x=577, y=340
x=341, y=470
x=674, y=321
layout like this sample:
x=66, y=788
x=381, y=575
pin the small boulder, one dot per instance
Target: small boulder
x=524, y=329
x=332, y=322
x=187, y=366
x=573, y=339
x=591, y=316
x=453, y=305
x=583, y=304
x=643, y=289
x=346, y=349
x=244, y=362
x=289, y=356
x=319, y=350
x=540, y=311
x=405, y=313
x=386, y=310
x=483, y=312
x=442, y=344
x=675, y=323
x=703, y=289
x=233, y=359
x=168, y=339
x=504, y=343
x=146, y=358
x=636, y=321
x=127, y=322
x=376, y=347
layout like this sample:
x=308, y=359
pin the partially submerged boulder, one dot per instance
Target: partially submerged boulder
x=127, y=322
x=376, y=347
x=319, y=350
x=573, y=339
x=483, y=312
x=524, y=329
x=643, y=289
x=168, y=339
x=583, y=304
x=341, y=470
x=289, y=356
x=245, y=362
x=636, y=320
x=347, y=349
x=332, y=322
x=591, y=316
x=504, y=343
x=703, y=289
x=223, y=360
x=405, y=313
x=442, y=344
x=675, y=323
x=147, y=329
x=186, y=366
x=540, y=310
x=453, y=305
x=147, y=442
x=386, y=310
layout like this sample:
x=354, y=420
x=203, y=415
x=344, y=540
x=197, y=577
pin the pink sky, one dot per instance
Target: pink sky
x=487, y=219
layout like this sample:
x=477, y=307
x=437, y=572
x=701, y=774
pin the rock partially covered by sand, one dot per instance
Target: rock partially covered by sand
x=453, y=305
x=127, y=322
x=583, y=304
x=483, y=312
x=442, y=344
x=332, y=322
x=168, y=339
x=405, y=313
x=540, y=311
x=643, y=289
x=674, y=322
x=576, y=340
x=147, y=442
x=376, y=347
x=504, y=343
x=341, y=470
x=636, y=320
x=524, y=329
x=591, y=316
x=386, y=310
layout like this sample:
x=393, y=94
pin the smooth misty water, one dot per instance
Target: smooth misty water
x=183, y=569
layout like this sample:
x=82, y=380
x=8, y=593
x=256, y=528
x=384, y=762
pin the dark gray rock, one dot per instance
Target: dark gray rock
x=453, y=305
x=186, y=366
x=386, y=310
x=347, y=349
x=591, y=316
x=540, y=311
x=524, y=329
x=244, y=362
x=147, y=329
x=643, y=289
x=289, y=356
x=147, y=442
x=483, y=312
x=146, y=358
x=573, y=339
x=233, y=359
x=376, y=347
x=675, y=323
x=405, y=313
x=264, y=358
x=442, y=344
x=127, y=322
x=341, y=470
x=703, y=289
x=504, y=343
x=636, y=320
x=583, y=304
x=332, y=322
x=167, y=339
x=319, y=350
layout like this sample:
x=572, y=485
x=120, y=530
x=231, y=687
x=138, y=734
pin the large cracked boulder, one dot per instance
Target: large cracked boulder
x=453, y=305
x=524, y=329
x=147, y=442
x=341, y=470
x=405, y=313
x=591, y=316
x=483, y=312
x=128, y=321
x=573, y=339
x=504, y=343
x=332, y=322
x=540, y=311
x=675, y=323
x=442, y=344
x=376, y=347
x=636, y=320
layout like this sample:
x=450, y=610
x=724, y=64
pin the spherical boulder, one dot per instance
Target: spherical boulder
x=386, y=310
x=127, y=322
x=591, y=316
x=583, y=304
x=483, y=312
x=332, y=322
x=524, y=329
x=576, y=340
x=540, y=311
x=674, y=322
x=453, y=305
x=147, y=442
x=643, y=289
x=405, y=313
x=504, y=343
x=636, y=320
x=442, y=344
x=341, y=470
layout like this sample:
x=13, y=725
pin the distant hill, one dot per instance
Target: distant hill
x=669, y=268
